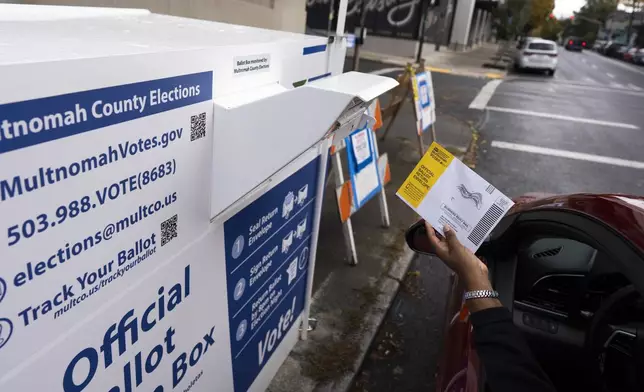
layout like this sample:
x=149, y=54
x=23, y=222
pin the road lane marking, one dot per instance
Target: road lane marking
x=616, y=85
x=387, y=70
x=486, y=93
x=594, y=66
x=610, y=75
x=634, y=87
x=601, y=88
x=580, y=156
x=562, y=117
x=583, y=60
x=591, y=80
x=564, y=85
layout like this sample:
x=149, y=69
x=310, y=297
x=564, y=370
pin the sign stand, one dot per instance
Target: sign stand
x=347, y=228
x=382, y=197
x=345, y=189
x=407, y=82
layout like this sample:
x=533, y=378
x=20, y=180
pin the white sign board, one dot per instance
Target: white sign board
x=424, y=101
x=363, y=166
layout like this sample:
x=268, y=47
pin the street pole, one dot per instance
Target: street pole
x=443, y=15
x=421, y=30
x=356, y=51
x=330, y=24
x=630, y=23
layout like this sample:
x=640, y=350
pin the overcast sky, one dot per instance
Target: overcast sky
x=564, y=8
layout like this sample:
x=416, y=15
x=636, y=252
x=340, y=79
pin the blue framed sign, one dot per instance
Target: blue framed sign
x=267, y=253
x=363, y=166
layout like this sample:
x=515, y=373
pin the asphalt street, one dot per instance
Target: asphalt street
x=404, y=354
x=579, y=131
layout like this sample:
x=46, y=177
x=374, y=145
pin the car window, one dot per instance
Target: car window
x=541, y=46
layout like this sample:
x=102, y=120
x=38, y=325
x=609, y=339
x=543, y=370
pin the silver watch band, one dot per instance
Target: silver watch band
x=478, y=294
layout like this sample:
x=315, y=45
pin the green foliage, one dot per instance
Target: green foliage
x=589, y=18
x=540, y=11
x=520, y=17
x=550, y=29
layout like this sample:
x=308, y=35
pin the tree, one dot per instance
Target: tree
x=589, y=18
x=540, y=11
x=550, y=29
x=512, y=19
x=520, y=17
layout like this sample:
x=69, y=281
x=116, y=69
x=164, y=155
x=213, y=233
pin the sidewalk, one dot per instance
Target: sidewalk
x=483, y=61
x=350, y=303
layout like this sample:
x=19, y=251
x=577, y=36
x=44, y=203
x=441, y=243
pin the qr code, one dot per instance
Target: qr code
x=197, y=126
x=168, y=230
x=502, y=202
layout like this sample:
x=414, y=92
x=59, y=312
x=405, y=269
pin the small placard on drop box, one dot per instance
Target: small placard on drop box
x=244, y=65
x=444, y=191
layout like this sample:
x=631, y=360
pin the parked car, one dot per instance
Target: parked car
x=575, y=44
x=571, y=271
x=638, y=57
x=537, y=54
x=598, y=44
x=630, y=54
x=613, y=50
x=621, y=52
x=606, y=45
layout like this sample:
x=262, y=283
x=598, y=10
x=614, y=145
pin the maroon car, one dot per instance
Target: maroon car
x=571, y=270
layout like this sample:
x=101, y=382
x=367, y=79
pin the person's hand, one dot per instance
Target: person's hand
x=459, y=259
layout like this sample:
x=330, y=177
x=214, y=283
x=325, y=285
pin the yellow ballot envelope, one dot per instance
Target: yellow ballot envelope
x=444, y=191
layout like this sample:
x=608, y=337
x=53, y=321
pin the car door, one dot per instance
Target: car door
x=613, y=224
x=459, y=368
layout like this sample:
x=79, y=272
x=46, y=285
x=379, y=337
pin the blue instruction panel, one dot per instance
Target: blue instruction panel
x=267, y=255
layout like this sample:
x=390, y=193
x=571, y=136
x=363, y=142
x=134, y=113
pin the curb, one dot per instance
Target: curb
x=402, y=61
x=375, y=317
x=291, y=376
x=451, y=71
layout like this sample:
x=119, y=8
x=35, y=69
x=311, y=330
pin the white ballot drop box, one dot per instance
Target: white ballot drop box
x=161, y=182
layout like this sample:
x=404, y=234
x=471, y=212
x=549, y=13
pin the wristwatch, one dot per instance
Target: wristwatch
x=478, y=294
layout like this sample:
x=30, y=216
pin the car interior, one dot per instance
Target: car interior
x=574, y=287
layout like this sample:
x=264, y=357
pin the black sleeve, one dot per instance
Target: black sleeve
x=508, y=362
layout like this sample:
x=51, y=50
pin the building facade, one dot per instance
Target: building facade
x=472, y=22
x=617, y=24
x=396, y=27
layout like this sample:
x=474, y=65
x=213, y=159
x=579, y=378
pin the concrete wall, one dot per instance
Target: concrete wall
x=287, y=15
x=391, y=46
x=463, y=20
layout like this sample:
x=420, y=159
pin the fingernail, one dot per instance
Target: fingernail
x=446, y=228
